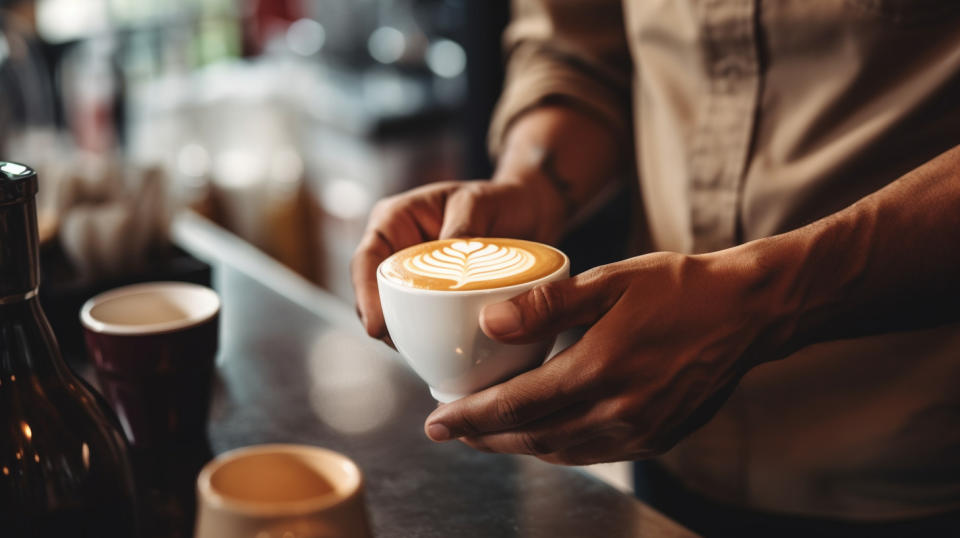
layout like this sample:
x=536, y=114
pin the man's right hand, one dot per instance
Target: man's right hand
x=525, y=210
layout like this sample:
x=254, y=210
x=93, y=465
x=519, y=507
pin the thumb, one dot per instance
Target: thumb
x=551, y=308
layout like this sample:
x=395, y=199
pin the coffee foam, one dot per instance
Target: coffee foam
x=470, y=264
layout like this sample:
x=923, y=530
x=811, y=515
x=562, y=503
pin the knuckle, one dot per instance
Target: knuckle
x=466, y=194
x=387, y=209
x=364, y=252
x=480, y=193
x=591, y=374
x=460, y=213
x=600, y=274
x=621, y=409
x=475, y=189
x=532, y=444
x=467, y=199
x=383, y=206
x=468, y=426
x=606, y=279
x=546, y=301
x=506, y=412
x=364, y=247
x=625, y=415
x=419, y=205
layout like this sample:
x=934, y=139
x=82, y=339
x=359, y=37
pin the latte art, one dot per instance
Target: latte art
x=468, y=264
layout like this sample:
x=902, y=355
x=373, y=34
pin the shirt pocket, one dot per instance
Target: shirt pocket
x=905, y=12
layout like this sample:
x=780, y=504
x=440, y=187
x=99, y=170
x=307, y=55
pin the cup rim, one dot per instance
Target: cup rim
x=565, y=267
x=208, y=312
x=208, y=495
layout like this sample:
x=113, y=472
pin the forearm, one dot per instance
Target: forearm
x=565, y=153
x=889, y=262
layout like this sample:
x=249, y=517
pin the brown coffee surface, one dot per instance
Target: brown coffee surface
x=471, y=264
x=271, y=478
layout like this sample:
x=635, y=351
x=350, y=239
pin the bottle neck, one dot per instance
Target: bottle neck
x=26, y=340
x=27, y=344
x=19, y=251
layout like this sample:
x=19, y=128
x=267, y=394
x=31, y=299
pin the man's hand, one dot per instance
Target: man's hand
x=528, y=197
x=670, y=336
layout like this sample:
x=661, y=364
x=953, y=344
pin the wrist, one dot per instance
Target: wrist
x=564, y=154
x=761, y=279
x=799, y=282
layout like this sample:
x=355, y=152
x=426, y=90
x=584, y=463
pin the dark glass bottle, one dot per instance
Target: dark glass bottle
x=64, y=467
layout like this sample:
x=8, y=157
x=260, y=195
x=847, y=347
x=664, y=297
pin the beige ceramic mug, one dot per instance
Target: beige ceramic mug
x=281, y=491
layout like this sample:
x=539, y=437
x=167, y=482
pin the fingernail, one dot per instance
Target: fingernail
x=502, y=318
x=438, y=432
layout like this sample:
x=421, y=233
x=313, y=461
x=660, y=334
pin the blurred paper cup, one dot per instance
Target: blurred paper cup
x=154, y=347
x=281, y=491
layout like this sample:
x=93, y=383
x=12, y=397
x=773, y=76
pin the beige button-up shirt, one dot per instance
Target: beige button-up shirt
x=752, y=118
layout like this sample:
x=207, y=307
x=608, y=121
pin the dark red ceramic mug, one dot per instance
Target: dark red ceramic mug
x=154, y=347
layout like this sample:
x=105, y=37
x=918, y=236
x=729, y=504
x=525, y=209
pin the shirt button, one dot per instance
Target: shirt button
x=730, y=67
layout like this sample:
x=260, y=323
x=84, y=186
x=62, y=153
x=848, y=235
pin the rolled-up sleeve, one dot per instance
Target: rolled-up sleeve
x=568, y=51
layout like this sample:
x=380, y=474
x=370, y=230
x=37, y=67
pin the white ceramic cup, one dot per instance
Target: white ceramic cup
x=438, y=333
x=281, y=491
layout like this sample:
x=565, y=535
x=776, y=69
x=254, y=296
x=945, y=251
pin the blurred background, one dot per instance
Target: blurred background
x=281, y=120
